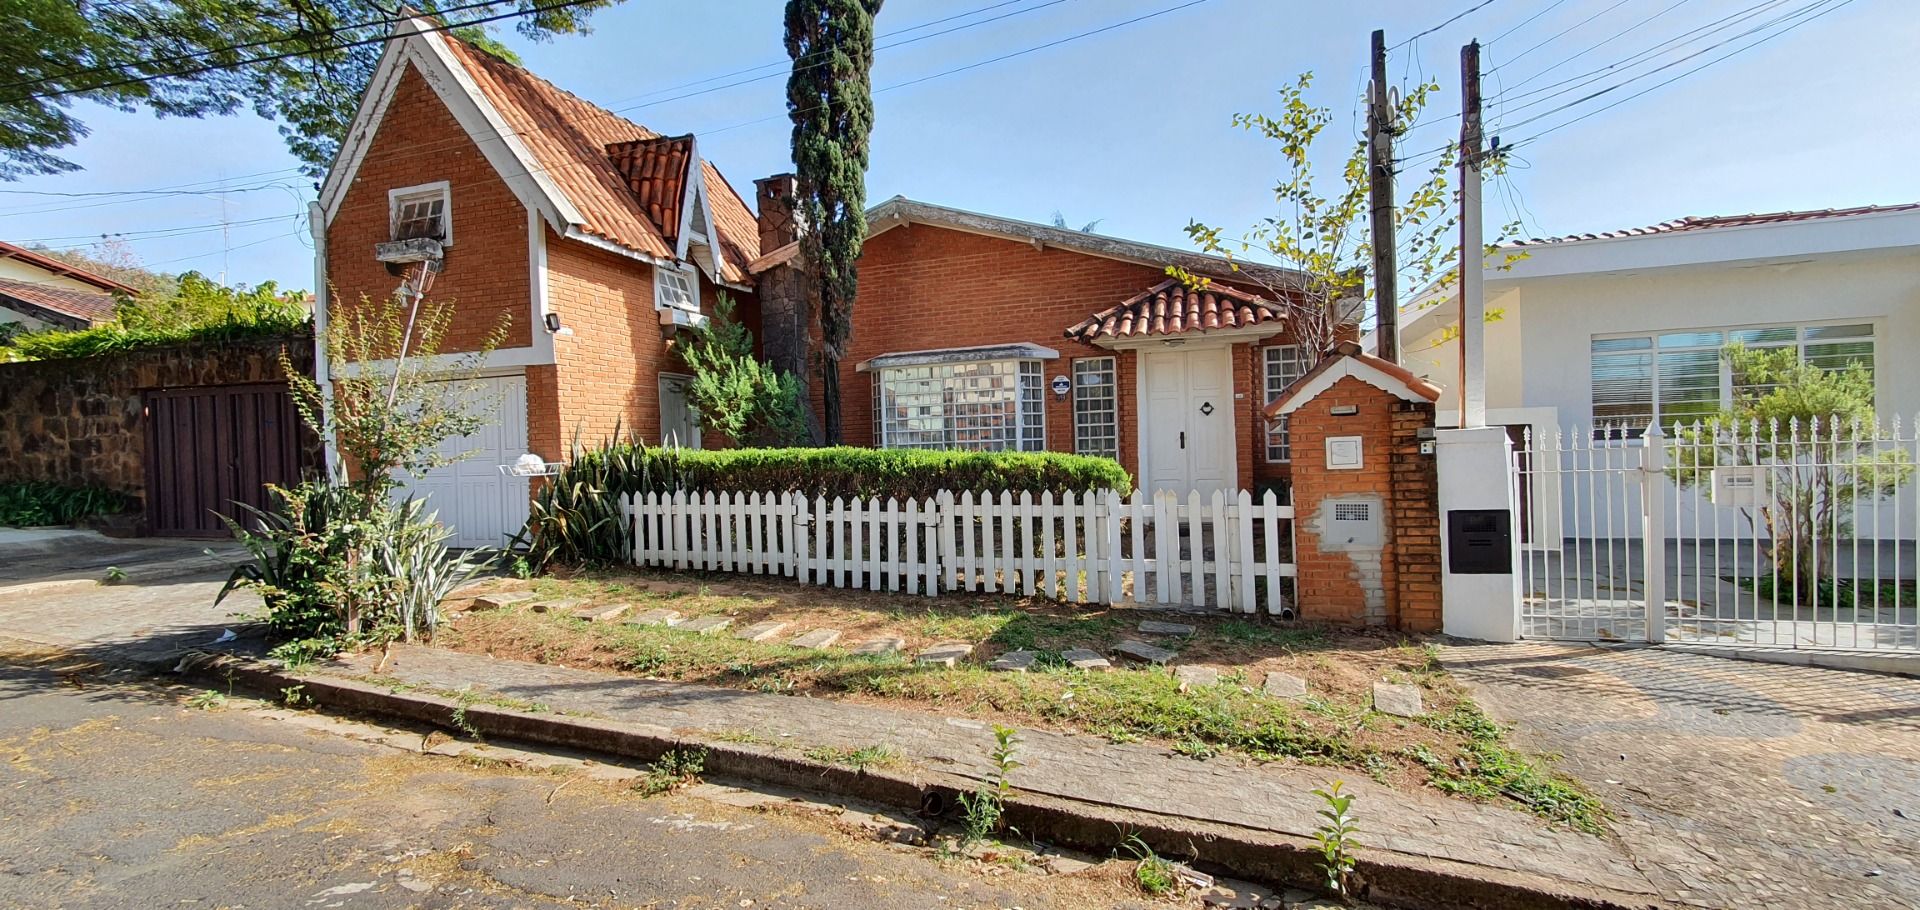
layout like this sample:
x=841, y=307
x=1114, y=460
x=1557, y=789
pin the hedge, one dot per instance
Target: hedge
x=34, y=503
x=848, y=471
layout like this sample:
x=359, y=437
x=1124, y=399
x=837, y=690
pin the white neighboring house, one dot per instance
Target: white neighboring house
x=1624, y=327
x=40, y=292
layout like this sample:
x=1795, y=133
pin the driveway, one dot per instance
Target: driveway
x=1734, y=784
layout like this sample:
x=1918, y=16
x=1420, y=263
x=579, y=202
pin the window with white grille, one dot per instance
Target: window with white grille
x=676, y=289
x=1682, y=377
x=1096, y=414
x=422, y=212
x=979, y=406
x=1284, y=364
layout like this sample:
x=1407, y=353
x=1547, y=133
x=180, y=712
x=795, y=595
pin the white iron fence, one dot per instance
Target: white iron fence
x=1789, y=535
x=1231, y=553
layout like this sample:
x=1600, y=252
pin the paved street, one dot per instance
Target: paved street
x=119, y=794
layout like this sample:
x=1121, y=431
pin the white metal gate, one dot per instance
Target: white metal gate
x=1787, y=536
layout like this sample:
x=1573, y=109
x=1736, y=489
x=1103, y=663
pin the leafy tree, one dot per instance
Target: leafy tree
x=1811, y=435
x=1324, y=236
x=195, y=309
x=192, y=58
x=113, y=258
x=750, y=401
x=830, y=100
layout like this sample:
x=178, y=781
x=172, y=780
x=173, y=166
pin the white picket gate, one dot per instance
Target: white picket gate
x=1079, y=547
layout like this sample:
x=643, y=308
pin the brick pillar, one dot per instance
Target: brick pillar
x=1338, y=581
x=1415, y=518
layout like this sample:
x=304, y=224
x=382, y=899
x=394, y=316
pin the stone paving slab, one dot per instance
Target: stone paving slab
x=1195, y=675
x=818, y=638
x=1140, y=776
x=1285, y=685
x=706, y=625
x=559, y=605
x=601, y=613
x=1142, y=652
x=504, y=600
x=1013, y=662
x=761, y=631
x=945, y=654
x=656, y=617
x=886, y=644
x=1397, y=699
x=1085, y=659
x=1734, y=784
x=1156, y=627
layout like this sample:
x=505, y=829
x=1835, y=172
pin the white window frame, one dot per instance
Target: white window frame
x=399, y=196
x=1613, y=428
x=1086, y=441
x=662, y=283
x=1028, y=427
x=1279, y=446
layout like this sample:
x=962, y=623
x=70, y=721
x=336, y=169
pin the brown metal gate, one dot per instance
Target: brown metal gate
x=211, y=447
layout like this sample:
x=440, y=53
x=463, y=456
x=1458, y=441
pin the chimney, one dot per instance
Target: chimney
x=775, y=198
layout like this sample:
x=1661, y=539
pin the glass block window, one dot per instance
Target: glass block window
x=977, y=406
x=1284, y=364
x=1096, y=413
x=675, y=289
x=1682, y=377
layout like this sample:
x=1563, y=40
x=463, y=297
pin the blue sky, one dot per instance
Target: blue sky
x=1131, y=126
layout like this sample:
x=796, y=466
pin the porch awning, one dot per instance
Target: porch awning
x=1171, y=308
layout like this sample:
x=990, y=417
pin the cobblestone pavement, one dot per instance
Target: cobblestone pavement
x=1139, y=776
x=118, y=795
x=1735, y=784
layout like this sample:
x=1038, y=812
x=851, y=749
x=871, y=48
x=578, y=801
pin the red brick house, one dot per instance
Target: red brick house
x=594, y=239
x=974, y=331
x=591, y=238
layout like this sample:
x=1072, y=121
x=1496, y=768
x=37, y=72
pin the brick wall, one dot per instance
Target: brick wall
x=82, y=421
x=924, y=287
x=1415, y=515
x=486, y=274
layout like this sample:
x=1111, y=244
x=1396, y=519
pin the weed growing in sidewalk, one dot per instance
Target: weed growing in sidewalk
x=295, y=696
x=115, y=575
x=986, y=806
x=874, y=756
x=207, y=701
x=1335, y=836
x=675, y=769
x=1151, y=871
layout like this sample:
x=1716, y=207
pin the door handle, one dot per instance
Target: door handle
x=1183, y=439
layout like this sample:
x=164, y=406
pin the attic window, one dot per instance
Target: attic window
x=674, y=289
x=422, y=212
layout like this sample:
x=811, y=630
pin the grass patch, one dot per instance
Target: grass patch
x=1487, y=768
x=862, y=758
x=1291, y=638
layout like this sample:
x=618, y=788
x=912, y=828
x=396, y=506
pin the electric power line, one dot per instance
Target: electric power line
x=1483, y=4
x=1523, y=23
x=1557, y=35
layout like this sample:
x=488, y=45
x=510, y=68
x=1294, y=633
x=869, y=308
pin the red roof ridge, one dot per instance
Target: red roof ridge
x=1707, y=222
x=1349, y=351
x=65, y=269
x=1173, y=308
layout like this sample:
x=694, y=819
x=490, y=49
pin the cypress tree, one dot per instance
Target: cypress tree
x=830, y=100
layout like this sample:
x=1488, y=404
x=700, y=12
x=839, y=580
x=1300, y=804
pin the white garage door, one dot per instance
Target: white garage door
x=483, y=506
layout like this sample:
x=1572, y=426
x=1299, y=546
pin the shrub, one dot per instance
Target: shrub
x=199, y=310
x=33, y=503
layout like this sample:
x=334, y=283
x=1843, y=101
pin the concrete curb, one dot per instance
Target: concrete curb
x=1391, y=879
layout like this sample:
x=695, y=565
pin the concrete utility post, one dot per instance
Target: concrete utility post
x=1473, y=304
x=1386, y=268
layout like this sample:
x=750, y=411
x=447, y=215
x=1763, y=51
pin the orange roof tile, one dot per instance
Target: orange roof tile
x=49, y=264
x=1172, y=308
x=656, y=171
x=81, y=307
x=570, y=138
x=1707, y=222
x=1348, y=350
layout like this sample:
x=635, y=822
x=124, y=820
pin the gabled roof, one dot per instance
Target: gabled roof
x=552, y=148
x=49, y=264
x=1349, y=359
x=64, y=307
x=1709, y=222
x=900, y=211
x=1172, y=308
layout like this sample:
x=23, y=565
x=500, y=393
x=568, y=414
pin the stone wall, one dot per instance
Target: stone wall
x=82, y=421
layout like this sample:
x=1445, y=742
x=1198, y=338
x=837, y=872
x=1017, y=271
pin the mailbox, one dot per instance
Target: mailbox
x=1480, y=542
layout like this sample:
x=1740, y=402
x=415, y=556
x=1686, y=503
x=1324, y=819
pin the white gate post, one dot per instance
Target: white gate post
x=1478, y=599
x=1653, y=531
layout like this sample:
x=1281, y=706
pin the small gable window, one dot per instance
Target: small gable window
x=422, y=212
x=675, y=289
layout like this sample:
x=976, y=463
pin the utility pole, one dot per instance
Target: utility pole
x=1386, y=268
x=1473, y=304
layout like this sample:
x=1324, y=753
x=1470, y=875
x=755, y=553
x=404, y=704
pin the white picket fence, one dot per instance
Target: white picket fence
x=1088, y=548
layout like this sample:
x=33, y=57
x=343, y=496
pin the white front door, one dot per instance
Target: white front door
x=678, y=423
x=1186, y=421
x=483, y=506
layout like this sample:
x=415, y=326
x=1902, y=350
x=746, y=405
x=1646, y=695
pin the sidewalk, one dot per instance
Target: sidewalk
x=1139, y=777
